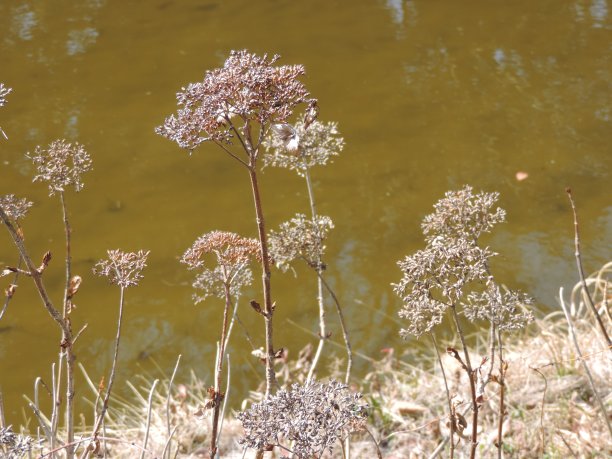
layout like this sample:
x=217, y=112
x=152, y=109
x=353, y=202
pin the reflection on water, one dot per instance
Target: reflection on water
x=428, y=95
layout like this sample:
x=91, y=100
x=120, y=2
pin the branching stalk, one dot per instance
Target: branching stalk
x=451, y=411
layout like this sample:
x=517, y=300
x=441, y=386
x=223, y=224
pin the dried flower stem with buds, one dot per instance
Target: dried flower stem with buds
x=123, y=269
x=232, y=254
x=449, y=274
x=234, y=106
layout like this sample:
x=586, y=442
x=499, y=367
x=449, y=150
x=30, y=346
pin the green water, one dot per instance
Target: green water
x=428, y=95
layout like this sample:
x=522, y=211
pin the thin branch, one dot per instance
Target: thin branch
x=11, y=289
x=585, y=288
x=146, y=437
x=231, y=153
x=542, y=409
x=584, y=365
x=168, y=446
x=451, y=411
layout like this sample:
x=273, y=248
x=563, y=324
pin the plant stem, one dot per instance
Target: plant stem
x=470, y=374
x=585, y=288
x=568, y=317
x=502, y=391
x=218, y=396
x=67, y=339
x=318, y=268
x=111, y=378
x=345, y=334
x=451, y=411
x=268, y=311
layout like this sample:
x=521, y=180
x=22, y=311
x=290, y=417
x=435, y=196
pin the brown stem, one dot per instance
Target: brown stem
x=218, y=396
x=111, y=378
x=265, y=267
x=470, y=373
x=34, y=273
x=585, y=288
x=10, y=291
x=451, y=411
x=68, y=338
x=502, y=392
x=345, y=334
x=318, y=268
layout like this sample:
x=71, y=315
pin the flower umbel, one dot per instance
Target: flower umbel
x=122, y=268
x=14, y=207
x=231, y=253
x=300, y=237
x=299, y=147
x=61, y=164
x=248, y=86
x=314, y=417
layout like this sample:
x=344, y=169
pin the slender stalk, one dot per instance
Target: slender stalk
x=268, y=311
x=585, y=288
x=568, y=317
x=148, y=427
x=345, y=334
x=322, y=329
x=218, y=395
x=451, y=411
x=470, y=374
x=542, y=409
x=111, y=378
x=502, y=392
x=168, y=446
x=67, y=338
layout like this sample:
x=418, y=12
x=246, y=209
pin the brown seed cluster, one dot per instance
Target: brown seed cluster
x=247, y=87
x=122, y=268
x=453, y=268
x=16, y=208
x=301, y=147
x=231, y=254
x=312, y=418
x=61, y=164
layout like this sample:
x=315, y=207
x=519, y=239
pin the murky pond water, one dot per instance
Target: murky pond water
x=428, y=95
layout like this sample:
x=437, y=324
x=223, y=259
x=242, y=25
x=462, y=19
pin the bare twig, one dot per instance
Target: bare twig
x=168, y=446
x=148, y=426
x=584, y=364
x=542, y=409
x=585, y=288
x=451, y=410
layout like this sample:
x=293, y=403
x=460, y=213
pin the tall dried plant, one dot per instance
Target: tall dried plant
x=230, y=272
x=60, y=165
x=299, y=148
x=452, y=275
x=234, y=107
x=123, y=269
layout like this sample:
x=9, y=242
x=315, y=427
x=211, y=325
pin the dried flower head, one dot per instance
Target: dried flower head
x=299, y=148
x=248, y=86
x=61, y=164
x=300, y=237
x=505, y=309
x=313, y=417
x=4, y=91
x=463, y=214
x=435, y=278
x=14, y=207
x=231, y=253
x=123, y=268
x=17, y=445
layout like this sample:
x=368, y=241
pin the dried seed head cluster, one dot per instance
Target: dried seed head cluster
x=299, y=148
x=123, y=268
x=505, y=309
x=61, y=164
x=232, y=254
x=452, y=265
x=312, y=417
x=435, y=278
x=4, y=91
x=463, y=214
x=17, y=445
x=300, y=237
x=14, y=207
x=248, y=86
